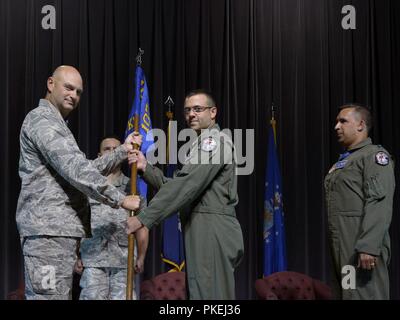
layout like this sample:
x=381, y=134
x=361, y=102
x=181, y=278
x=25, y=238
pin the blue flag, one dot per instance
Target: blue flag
x=173, y=253
x=274, y=228
x=141, y=108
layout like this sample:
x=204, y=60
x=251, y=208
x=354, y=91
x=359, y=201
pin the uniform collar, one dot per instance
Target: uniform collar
x=47, y=104
x=207, y=131
x=215, y=126
x=362, y=144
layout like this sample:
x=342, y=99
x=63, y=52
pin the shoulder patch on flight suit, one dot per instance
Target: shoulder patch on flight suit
x=382, y=158
x=208, y=144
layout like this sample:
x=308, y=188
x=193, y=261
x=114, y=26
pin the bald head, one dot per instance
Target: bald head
x=64, y=89
x=62, y=70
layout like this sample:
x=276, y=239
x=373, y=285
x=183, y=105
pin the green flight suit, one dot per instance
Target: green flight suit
x=359, y=197
x=205, y=194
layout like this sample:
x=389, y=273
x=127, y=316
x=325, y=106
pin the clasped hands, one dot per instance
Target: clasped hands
x=134, y=156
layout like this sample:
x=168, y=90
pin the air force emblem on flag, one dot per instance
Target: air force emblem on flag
x=268, y=218
x=382, y=158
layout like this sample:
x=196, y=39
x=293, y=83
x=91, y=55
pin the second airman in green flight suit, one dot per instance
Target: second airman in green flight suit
x=359, y=196
x=204, y=191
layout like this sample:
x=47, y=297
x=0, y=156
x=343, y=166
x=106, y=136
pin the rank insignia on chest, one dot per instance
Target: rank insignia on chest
x=208, y=144
x=340, y=164
x=382, y=158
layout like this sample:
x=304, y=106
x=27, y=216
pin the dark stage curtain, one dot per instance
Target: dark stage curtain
x=249, y=54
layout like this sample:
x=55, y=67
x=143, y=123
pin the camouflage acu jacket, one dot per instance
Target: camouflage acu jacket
x=56, y=177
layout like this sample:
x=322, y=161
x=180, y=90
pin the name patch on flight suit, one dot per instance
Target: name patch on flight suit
x=382, y=158
x=340, y=164
x=208, y=144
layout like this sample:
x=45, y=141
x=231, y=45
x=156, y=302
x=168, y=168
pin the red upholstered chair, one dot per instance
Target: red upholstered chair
x=165, y=286
x=18, y=294
x=289, y=285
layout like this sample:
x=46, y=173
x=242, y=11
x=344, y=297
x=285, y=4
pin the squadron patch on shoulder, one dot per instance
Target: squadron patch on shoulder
x=208, y=144
x=382, y=158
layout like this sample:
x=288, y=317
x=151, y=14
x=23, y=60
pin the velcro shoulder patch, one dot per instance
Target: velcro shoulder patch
x=208, y=144
x=382, y=158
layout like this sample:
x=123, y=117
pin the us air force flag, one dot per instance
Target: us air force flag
x=141, y=108
x=274, y=229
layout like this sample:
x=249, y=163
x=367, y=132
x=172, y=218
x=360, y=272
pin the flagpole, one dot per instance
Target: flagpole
x=170, y=115
x=131, y=237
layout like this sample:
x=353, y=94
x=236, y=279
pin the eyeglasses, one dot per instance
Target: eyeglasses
x=196, y=109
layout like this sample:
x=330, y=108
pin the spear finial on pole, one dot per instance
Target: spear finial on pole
x=139, y=57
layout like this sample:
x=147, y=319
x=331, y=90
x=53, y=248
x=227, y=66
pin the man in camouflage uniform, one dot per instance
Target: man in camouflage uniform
x=359, y=194
x=204, y=191
x=53, y=211
x=105, y=255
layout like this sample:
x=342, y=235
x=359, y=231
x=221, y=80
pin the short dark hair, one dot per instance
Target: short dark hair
x=210, y=98
x=109, y=136
x=363, y=111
